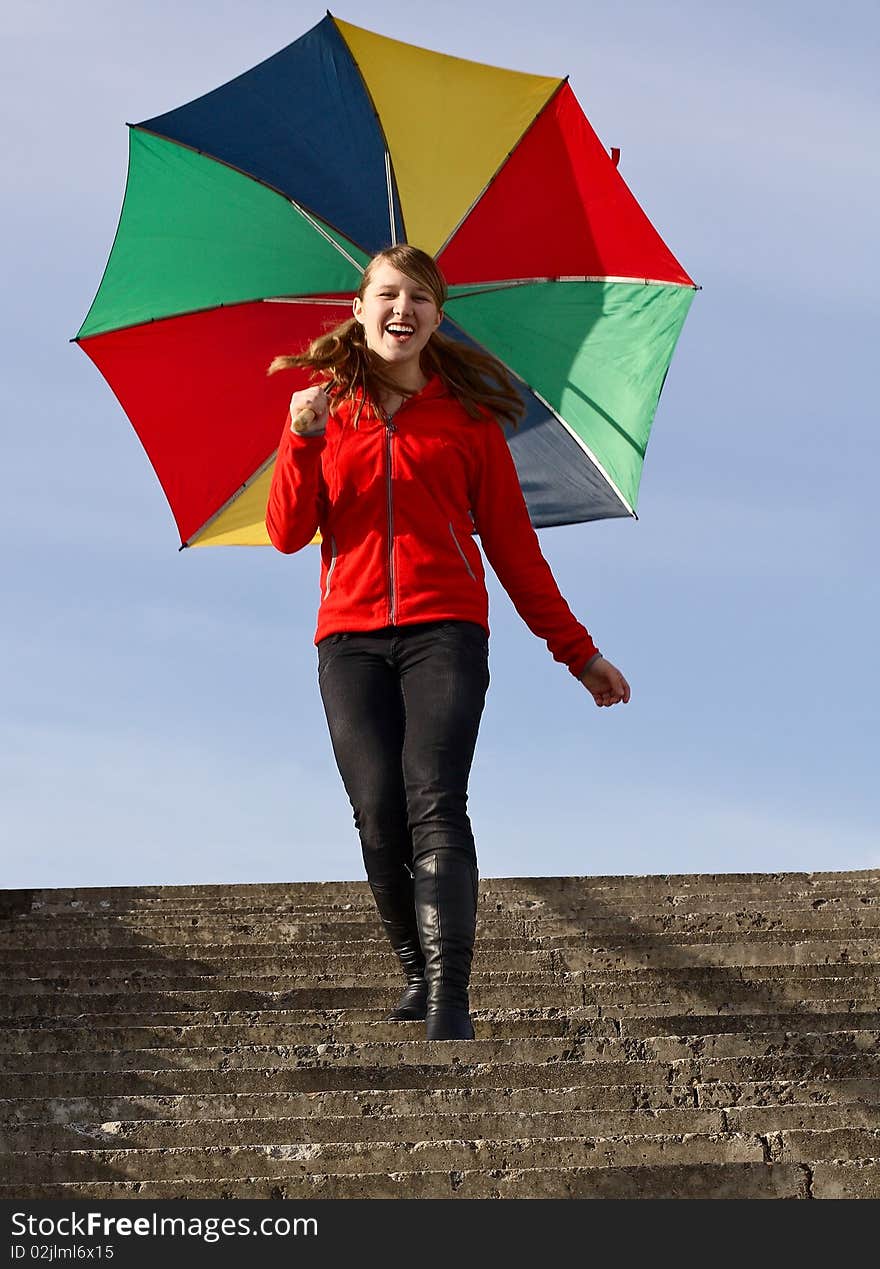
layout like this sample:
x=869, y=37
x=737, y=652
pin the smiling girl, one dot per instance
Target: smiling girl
x=399, y=459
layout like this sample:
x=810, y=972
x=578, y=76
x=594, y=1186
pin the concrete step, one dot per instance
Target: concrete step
x=302, y=1158
x=727, y=1181
x=377, y=966
x=555, y=951
x=411, y=1048
x=696, y=972
x=44, y=1039
x=59, y=1039
x=333, y=938
x=861, y=880
x=362, y=1103
x=585, y=908
x=695, y=975
x=142, y=951
x=704, y=1034
x=36, y=1032
x=352, y=922
x=265, y=927
x=388, y=980
x=833, y=1180
x=375, y=997
x=595, y=961
x=95, y=996
x=488, y=992
x=383, y=983
x=299, y=1159
x=380, y=997
x=443, y=1069
x=152, y=1134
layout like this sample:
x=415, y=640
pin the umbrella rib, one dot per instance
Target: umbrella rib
x=493, y=178
x=345, y=301
x=484, y=288
x=388, y=179
x=205, y=154
x=572, y=433
x=389, y=166
x=213, y=308
x=320, y=229
x=230, y=500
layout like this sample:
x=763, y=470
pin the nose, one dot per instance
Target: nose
x=402, y=305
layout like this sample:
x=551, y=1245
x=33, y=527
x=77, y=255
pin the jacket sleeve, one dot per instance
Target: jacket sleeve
x=510, y=542
x=298, y=495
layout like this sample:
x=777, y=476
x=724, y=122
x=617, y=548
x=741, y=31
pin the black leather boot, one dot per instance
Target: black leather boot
x=446, y=885
x=396, y=907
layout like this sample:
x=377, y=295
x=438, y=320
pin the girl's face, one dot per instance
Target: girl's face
x=398, y=315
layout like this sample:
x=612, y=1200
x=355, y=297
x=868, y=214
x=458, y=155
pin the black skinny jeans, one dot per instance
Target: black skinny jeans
x=403, y=706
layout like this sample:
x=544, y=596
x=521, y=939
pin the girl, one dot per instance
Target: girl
x=399, y=459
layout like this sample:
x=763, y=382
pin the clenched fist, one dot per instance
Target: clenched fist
x=308, y=412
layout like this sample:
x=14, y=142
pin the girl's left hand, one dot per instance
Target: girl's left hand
x=605, y=683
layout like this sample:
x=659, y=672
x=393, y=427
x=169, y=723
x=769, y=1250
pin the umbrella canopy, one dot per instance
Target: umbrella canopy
x=250, y=213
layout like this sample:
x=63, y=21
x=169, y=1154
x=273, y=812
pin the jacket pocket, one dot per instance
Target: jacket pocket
x=332, y=566
x=460, y=551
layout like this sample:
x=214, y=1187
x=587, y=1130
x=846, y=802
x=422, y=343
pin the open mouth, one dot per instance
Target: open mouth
x=400, y=332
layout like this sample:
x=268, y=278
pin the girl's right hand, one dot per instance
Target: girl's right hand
x=309, y=399
x=605, y=683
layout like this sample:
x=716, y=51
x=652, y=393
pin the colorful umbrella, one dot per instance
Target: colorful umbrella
x=250, y=212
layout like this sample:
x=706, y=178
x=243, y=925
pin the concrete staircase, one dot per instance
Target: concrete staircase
x=690, y=1036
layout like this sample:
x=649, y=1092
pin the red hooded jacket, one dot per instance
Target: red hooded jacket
x=398, y=502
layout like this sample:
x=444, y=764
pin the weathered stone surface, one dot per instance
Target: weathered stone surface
x=850, y=1030
x=152, y=1134
x=515, y=1125
x=63, y=1002
x=779, y=1119
x=579, y=1048
x=704, y=1036
x=845, y=1144
x=367, y=1103
x=845, y=1180
x=707, y=1181
x=304, y=1158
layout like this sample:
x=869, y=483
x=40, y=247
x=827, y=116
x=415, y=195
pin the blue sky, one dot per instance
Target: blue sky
x=161, y=719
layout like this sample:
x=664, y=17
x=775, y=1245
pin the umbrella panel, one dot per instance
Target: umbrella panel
x=302, y=123
x=197, y=393
x=194, y=234
x=558, y=208
x=443, y=115
x=596, y=352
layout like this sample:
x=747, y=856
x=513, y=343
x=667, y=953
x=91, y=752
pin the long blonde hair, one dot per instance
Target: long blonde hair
x=346, y=366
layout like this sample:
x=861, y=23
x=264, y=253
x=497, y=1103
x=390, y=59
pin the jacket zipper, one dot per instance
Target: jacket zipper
x=389, y=430
x=460, y=551
x=332, y=566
